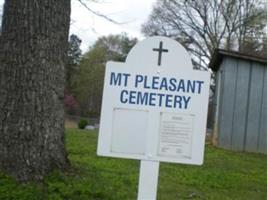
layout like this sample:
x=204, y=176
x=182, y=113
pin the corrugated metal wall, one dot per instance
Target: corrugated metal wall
x=241, y=118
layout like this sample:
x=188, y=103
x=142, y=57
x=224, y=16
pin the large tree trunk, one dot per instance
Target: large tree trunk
x=33, y=46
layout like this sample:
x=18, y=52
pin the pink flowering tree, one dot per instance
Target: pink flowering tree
x=70, y=103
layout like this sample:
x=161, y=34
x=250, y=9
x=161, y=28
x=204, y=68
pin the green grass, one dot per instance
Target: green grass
x=225, y=175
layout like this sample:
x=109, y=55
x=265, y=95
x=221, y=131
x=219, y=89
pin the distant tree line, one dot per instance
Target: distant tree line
x=200, y=26
x=85, y=73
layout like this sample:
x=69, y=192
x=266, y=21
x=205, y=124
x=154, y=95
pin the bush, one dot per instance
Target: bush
x=82, y=123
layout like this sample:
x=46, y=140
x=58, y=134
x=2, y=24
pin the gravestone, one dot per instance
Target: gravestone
x=154, y=109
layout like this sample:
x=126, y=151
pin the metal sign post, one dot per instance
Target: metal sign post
x=148, y=180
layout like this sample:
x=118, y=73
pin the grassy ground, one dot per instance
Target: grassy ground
x=225, y=175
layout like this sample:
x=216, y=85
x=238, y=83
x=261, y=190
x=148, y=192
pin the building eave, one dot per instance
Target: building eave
x=219, y=54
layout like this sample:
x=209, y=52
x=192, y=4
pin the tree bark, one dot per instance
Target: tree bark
x=33, y=46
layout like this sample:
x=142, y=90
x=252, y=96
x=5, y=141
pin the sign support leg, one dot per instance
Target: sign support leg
x=148, y=180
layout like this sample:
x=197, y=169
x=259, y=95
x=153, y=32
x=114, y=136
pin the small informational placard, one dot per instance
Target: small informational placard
x=154, y=105
x=176, y=134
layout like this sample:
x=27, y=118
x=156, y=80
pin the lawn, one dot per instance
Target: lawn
x=224, y=175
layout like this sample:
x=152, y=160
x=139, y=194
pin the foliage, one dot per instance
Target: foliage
x=74, y=51
x=116, y=47
x=82, y=123
x=204, y=25
x=89, y=82
x=224, y=175
x=73, y=60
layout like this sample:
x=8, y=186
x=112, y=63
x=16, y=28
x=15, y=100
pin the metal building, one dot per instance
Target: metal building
x=240, y=105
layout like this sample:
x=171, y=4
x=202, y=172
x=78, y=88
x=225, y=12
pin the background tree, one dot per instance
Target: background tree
x=73, y=60
x=204, y=25
x=89, y=83
x=34, y=44
x=72, y=70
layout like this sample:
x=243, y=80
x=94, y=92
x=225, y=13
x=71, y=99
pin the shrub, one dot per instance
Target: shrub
x=82, y=123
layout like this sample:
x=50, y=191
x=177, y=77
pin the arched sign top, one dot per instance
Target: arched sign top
x=159, y=54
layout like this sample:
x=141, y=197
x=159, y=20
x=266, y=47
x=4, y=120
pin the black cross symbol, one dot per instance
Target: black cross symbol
x=160, y=50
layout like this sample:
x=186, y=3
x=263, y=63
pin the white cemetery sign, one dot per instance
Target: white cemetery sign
x=154, y=109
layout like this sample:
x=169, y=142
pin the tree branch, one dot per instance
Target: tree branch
x=100, y=14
